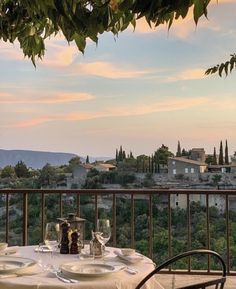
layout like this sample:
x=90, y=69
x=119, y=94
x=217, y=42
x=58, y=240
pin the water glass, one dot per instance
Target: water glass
x=44, y=257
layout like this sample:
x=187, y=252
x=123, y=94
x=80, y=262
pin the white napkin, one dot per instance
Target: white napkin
x=134, y=258
x=9, y=251
x=3, y=276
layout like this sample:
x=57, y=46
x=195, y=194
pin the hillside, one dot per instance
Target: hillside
x=33, y=159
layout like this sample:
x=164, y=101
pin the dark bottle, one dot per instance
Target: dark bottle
x=64, y=248
x=74, y=248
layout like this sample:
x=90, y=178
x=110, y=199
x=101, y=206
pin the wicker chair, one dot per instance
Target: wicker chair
x=218, y=282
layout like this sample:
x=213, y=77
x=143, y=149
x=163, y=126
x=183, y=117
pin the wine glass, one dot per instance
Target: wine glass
x=51, y=237
x=104, y=229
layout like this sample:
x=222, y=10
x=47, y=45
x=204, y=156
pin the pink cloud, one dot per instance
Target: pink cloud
x=109, y=70
x=48, y=99
x=172, y=104
x=28, y=123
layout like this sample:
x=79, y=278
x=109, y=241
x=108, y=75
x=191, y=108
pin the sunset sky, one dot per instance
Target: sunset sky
x=141, y=90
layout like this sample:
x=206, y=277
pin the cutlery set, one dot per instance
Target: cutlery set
x=64, y=279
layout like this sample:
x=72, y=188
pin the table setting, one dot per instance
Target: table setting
x=92, y=266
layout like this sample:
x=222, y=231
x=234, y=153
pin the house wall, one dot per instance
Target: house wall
x=191, y=171
x=218, y=201
x=198, y=155
x=79, y=175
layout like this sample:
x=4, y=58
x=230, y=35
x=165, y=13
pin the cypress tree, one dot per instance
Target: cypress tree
x=178, y=153
x=123, y=155
x=152, y=164
x=87, y=160
x=117, y=156
x=214, y=157
x=221, y=156
x=120, y=155
x=226, y=153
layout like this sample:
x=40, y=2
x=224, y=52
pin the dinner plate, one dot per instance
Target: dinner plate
x=10, y=264
x=90, y=269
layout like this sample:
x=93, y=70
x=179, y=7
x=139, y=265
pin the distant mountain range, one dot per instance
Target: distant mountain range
x=33, y=159
x=38, y=159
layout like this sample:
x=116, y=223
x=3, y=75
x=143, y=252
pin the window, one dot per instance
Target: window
x=174, y=171
x=186, y=170
x=192, y=170
x=177, y=203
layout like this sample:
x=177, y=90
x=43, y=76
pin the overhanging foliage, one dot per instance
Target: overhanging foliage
x=223, y=68
x=31, y=22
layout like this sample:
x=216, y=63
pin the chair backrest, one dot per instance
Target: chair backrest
x=218, y=282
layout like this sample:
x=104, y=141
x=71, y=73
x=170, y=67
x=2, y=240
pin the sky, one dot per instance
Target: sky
x=141, y=90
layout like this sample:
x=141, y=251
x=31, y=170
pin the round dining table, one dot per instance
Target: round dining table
x=34, y=277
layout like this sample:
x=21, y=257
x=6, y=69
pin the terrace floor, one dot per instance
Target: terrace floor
x=168, y=280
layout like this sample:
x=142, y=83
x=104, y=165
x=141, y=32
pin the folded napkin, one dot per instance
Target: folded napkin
x=134, y=258
x=32, y=270
x=9, y=251
x=3, y=276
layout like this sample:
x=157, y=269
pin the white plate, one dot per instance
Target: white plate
x=13, y=264
x=90, y=269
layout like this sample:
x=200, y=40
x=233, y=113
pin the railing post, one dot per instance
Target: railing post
x=150, y=224
x=7, y=217
x=60, y=205
x=132, y=220
x=78, y=204
x=208, y=230
x=114, y=219
x=227, y=233
x=25, y=218
x=96, y=210
x=42, y=215
x=169, y=227
x=189, y=231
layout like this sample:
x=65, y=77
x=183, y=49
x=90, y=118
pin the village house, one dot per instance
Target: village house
x=178, y=166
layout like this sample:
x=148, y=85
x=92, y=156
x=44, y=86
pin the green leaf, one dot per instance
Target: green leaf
x=80, y=41
x=198, y=10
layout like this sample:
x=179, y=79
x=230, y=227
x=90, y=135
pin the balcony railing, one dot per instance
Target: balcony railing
x=159, y=223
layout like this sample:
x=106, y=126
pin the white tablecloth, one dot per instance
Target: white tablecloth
x=45, y=280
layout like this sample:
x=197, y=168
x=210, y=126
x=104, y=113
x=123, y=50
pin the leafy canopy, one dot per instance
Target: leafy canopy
x=31, y=22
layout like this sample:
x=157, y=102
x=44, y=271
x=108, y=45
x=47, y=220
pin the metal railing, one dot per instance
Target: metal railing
x=185, y=219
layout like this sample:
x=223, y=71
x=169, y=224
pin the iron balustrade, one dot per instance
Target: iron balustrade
x=171, y=198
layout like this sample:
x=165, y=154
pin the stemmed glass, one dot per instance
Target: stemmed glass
x=104, y=235
x=51, y=237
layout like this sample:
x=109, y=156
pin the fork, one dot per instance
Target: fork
x=65, y=279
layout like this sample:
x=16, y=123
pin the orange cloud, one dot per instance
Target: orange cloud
x=109, y=70
x=28, y=123
x=121, y=111
x=187, y=74
x=48, y=99
x=190, y=74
